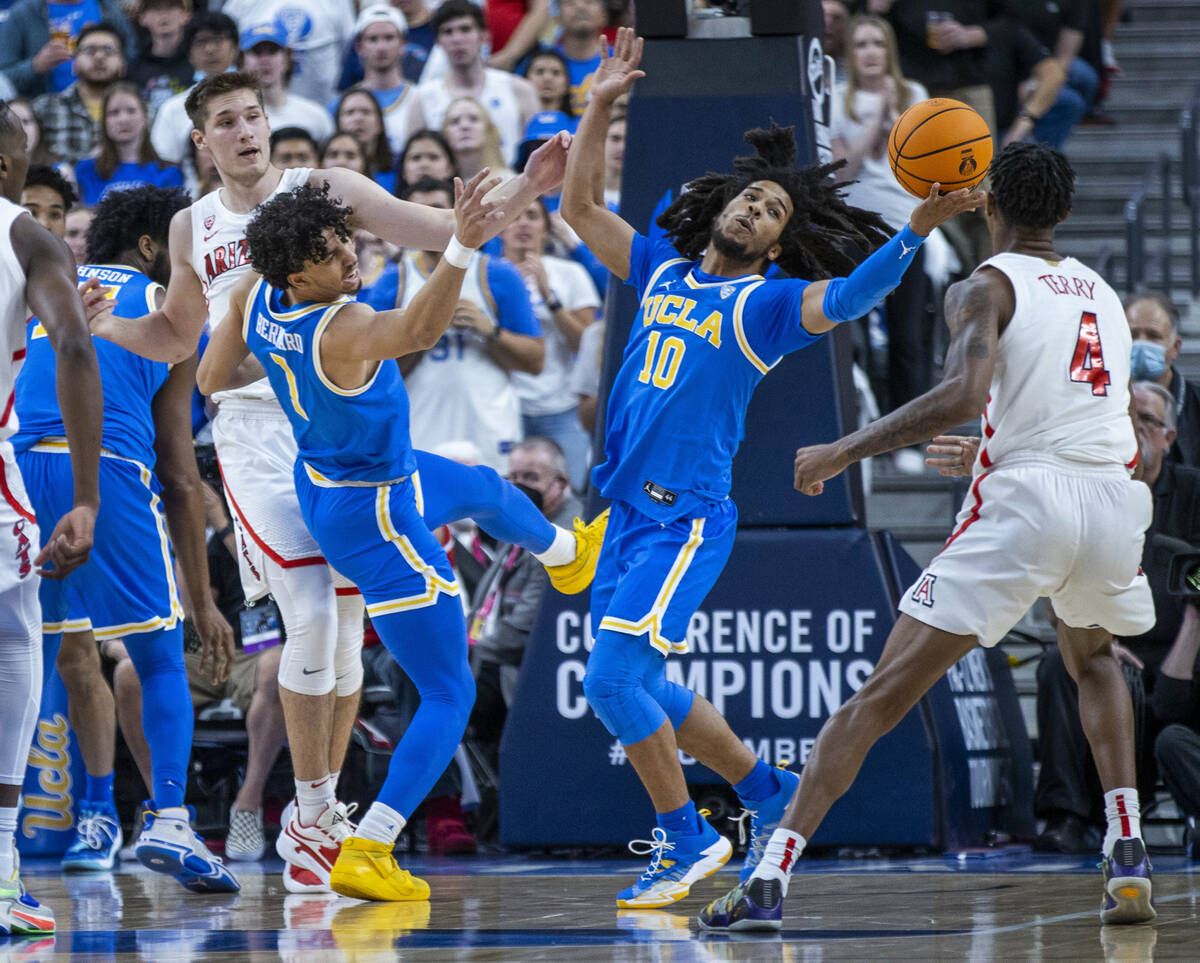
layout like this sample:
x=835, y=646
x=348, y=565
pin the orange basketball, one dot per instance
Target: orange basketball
x=939, y=140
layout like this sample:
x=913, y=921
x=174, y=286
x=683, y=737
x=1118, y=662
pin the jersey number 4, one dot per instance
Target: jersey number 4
x=661, y=365
x=1088, y=363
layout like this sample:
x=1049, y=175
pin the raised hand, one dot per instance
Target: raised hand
x=618, y=71
x=476, y=218
x=938, y=208
x=547, y=165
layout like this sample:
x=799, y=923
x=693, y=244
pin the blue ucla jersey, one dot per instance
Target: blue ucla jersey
x=358, y=435
x=697, y=350
x=130, y=382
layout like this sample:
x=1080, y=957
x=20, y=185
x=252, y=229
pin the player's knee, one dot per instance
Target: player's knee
x=78, y=662
x=347, y=665
x=266, y=674
x=676, y=700
x=304, y=674
x=613, y=696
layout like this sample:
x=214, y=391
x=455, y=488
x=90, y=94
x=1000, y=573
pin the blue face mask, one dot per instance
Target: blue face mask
x=1147, y=361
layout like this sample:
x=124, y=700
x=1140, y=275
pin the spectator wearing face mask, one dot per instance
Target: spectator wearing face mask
x=1154, y=324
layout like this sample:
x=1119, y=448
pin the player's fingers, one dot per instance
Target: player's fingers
x=638, y=46
x=475, y=181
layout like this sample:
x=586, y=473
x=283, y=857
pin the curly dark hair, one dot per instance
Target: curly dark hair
x=43, y=175
x=289, y=229
x=122, y=217
x=817, y=237
x=1032, y=185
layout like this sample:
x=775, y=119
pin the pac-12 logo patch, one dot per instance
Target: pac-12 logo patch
x=209, y=222
x=922, y=592
x=726, y=290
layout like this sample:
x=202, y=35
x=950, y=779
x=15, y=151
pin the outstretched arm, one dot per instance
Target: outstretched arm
x=172, y=332
x=50, y=293
x=421, y=228
x=226, y=351
x=605, y=234
x=975, y=310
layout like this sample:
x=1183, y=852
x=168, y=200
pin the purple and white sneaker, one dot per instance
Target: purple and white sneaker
x=756, y=904
x=1127, y=884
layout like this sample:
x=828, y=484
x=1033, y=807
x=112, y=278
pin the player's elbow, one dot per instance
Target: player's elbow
x=964, y=400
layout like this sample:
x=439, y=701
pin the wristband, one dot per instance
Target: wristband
x=457, y=253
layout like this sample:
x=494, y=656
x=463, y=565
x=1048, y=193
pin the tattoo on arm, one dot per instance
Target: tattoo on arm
x=971, y=318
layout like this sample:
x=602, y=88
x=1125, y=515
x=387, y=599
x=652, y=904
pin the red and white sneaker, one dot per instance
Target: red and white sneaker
x=312, y=848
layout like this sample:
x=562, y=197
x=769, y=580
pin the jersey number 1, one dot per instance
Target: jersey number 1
x=1088, y=363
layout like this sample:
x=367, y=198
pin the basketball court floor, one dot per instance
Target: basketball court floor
x=527, y=908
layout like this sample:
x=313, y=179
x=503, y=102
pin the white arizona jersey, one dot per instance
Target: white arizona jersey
x=497, y=98
x=221, y=258
x=14, y=313
x=457, y=392
x=1060, y=387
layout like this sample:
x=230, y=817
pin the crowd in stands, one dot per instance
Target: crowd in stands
x=415, y=92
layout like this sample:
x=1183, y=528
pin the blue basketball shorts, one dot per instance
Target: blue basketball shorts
x=653, y=575
x=127, y=586
x=376, y=537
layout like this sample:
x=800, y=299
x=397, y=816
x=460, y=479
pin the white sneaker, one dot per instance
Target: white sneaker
x=169, y=845
x=20, y=913
x=245, y=841
x=297, y=879
x=314, y=848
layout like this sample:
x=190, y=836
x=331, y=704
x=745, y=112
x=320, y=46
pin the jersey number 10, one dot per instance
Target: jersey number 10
x=661, y=366
x=1088, y=363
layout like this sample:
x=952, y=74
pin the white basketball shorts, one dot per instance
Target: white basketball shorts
x=20, y=542
x=257, y=452
x=1068, y=531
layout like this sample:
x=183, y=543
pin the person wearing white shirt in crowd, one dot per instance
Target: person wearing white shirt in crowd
x=212, y=43
x=509, y=100
x=318, y=33
x=585, y=374
x=564, y=301
x=265, y=54
x=379, y=42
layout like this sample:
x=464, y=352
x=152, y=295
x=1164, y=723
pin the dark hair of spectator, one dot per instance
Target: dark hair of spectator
x=292, y=133
x=196, y=104
x=815, y=238
x=379, y=154
x=101, y=27
x=289, y=230
x=548, y=53
x=211, y=22
x=43, y=175
x=39, y=154
x=430, y=185
x=424, y=133
x=1032, y=185
x=122, y=217
x=342, y=134
x=1164, y=302
x=108, y=159
x=10, y=124
x=453, y=10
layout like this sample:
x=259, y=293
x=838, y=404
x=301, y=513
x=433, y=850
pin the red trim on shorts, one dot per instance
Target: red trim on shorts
x=15, y=505
x=970, y=519
x=267, y=550
x=988, y=431
x=348, y=591
x=19, y=355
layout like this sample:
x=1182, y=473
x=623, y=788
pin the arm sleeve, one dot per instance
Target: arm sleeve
x=513, y=307
x=873, y=280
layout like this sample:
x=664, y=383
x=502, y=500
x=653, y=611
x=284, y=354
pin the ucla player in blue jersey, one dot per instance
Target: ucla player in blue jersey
x=149, y=485
x=711, y=328
x=331, y=362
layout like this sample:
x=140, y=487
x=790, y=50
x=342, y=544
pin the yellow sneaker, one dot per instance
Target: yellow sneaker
x=576, y=575
x=366, y=869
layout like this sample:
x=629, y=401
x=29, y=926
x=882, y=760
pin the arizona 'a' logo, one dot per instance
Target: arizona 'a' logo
x=922, y=593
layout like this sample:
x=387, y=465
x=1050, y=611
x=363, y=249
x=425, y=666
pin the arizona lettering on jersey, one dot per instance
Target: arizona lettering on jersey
x=235, y=254
x=676, y=413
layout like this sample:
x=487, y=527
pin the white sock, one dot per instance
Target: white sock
x=561, y=551
x=8, y=828
x=312, y=797
x=779, y=859
x=333, y=781
x=1124, y=815
x=381, y=823
x=175, y=812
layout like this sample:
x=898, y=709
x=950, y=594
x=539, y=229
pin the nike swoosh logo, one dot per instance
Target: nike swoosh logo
x=209, y=237
x=310, y=671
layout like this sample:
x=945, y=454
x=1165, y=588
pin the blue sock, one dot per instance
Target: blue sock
x=684, y=821
x=99, y=790
x=166, y=710
x=761, y=783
